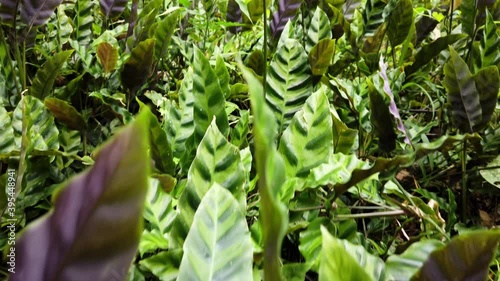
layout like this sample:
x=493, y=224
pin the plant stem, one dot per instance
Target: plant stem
x=394, y=213
x=264, y=48
x=464, y=180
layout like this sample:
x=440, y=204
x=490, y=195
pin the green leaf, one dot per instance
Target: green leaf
x=179, y=123
x=319, y=29
x=430, y=51
x=381, y=118
x=400, y=22
x=164, y=265
x=83, y=21
x=337, y=263
x=256, y=62
x=289, y=81
x=163, y=35
x=402, y=267
x=42, y=132
x=295, y=271
x=65, y=113
x=462, y=93
x=218, y=246
x=218, y=161
x=158, y=209
x=308, y=141
x=160, y=147
x=7, y=140
x=152, y=242
x=209, y=99
x=490, y=44
x=492, y=172
x=137, y=68
x=108, y=56
x=240, y=131
x=468, y=19
x=46, y=75
x=320, y=56
x=372, y=16
x=343, y=136
x=465, y=257
x=223, y=75
x=108, y=197
x=271, y=171
x=487, y=85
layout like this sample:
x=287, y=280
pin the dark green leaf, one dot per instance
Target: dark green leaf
x=65, y=113
x=46, y=75
x=400, y=22
x=137, y=68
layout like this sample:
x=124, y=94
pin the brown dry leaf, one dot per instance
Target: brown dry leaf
x=485, y=219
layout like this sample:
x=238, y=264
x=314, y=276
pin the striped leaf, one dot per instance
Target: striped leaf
x=462, y=93
x=179, y=123
x=163, y=35
x=64, y=26
x=271, y=171
x=218, y=246
x=468, y=19
x=240, y=131
x=46, y=75
x=319, y=29
x=308, y=141
x=112, y=8
x=490, y=44
x=83, y=21
x=7, y=143
x=372, y=16
x=487, y=85
x=43, y=133
x=400, y=22
x=159, y=211
x=209, y=99
x=223, y=75
x=159, y=145
x=218, y=161
x=289, y=81
x=8, y=78
x=286, y=11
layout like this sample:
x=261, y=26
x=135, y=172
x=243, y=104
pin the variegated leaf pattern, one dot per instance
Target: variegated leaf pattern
x=179, y=124
x=83, y=21
x=319, y=29
x=218, y=161
x=490, y=44
x=43, y=134
x=159, y=211
x=372, y=16
x=218, y=246
x=7, y=143
x=289, y=81
x=286, y=11
x=209, y=99
x=308, y=141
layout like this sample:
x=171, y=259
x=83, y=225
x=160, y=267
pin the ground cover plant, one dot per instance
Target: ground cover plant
x=249, y=140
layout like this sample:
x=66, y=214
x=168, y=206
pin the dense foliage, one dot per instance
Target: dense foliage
x=249, y=140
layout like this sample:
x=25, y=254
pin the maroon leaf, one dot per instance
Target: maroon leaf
x=112, y=8
x=94, y=229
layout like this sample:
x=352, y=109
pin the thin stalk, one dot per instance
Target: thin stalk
x=264, y=48
x=394, y=213
x=464, y=180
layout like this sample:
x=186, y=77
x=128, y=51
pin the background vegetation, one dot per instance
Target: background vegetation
x=250, y=139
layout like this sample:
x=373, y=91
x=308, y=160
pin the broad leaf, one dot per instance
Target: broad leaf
x=160, y=147
x=381, y=119
x=163, y=35
x=490, y=44
x=137, y=68
x=7, y=143
x=164, y=265
x=308, y=141
x=83, y=21
x=209, y=99
x=287, y=10
x=223, y=75
x=465, y=257
x=372, y=16
x=218, y=161
x=46, y=75
x=492, y=172
x=108, y=56
x=37, y=12
x=319, y=29
x=338, y=263
x=66, y=113
x=320, y=56
x=462, y=94
x=218, y=245
x=468, y=20
x=404, y=266
x=289, y=81
x=271, y=171
x=109, y=197
x=112, y=8
x=488, y=85
x=400, y=22
x=240, y=131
